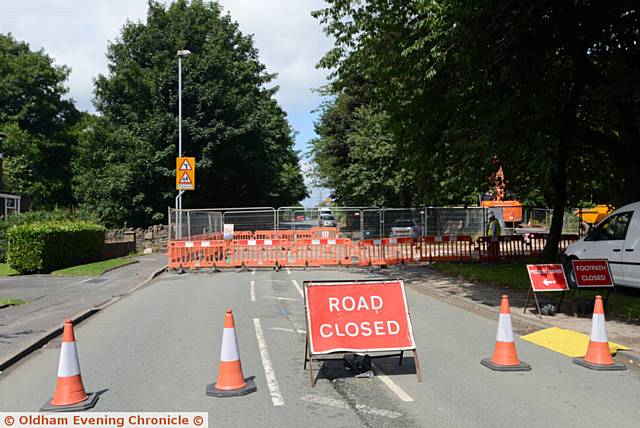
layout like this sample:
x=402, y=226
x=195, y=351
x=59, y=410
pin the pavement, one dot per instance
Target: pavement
x=157, y=349
x=52, y=299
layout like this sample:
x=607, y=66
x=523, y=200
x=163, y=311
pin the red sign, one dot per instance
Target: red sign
x=547, y=278
x=357, y=316
x=592, y=273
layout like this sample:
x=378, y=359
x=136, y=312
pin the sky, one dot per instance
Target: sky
x=76, y=33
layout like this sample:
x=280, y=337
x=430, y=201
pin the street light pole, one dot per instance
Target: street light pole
x=181, y=54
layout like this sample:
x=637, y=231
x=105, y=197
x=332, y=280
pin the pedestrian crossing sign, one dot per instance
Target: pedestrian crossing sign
x=185, y=173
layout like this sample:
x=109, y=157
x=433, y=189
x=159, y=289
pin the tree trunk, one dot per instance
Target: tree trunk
x=630, y=133
x=550, y=253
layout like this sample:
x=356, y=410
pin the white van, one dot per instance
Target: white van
x=617, y=239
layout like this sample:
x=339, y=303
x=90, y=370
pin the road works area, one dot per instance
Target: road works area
x=158, y=348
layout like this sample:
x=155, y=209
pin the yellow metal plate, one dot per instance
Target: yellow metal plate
x=567, y=342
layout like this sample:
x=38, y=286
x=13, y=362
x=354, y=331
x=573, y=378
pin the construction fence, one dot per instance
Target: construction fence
x=362, y=223
x=298, y=237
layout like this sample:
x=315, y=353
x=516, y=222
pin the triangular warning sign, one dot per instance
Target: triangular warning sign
x=186, y=166
x=185, y=179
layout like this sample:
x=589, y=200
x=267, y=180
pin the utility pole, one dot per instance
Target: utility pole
x=181, y=54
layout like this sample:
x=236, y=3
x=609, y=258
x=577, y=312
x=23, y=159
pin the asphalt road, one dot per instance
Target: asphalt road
x=51, y=299
x=157, y=349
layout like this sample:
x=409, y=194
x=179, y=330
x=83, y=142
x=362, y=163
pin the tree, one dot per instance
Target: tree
x=231, y=123
x=356, y=155
x=551, y=87
x=38, y=121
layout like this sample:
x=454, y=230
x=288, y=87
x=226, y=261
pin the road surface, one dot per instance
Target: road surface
x=157, y=349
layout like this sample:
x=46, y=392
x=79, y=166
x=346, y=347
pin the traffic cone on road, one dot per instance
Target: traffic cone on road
x=231, y=381
x=598, y=355
x=69, y=395
x=505, y=358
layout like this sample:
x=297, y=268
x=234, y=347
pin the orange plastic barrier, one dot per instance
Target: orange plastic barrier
x=195, y=254
x=321, y=252
x=502, y=248
x=444, y=248
x=537, y=242
x=325, y=232
x=259, y=252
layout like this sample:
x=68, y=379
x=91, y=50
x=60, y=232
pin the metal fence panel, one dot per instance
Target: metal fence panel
x=361, y=223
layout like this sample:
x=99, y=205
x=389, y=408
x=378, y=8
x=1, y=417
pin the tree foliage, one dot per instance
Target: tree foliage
x=38, y=121
x=231, y=123
x=551, y=87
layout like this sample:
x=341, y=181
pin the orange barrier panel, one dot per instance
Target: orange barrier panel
x=444, y=248
x=324, y=232
x=537, y=242
x=321, y=252
x=259, y=253
x=387, y=251
x=502, y=248
x=243, y=234
x=195, y=254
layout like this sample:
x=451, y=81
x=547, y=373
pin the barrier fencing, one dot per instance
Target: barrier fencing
x=297, y=237
x=316, y=251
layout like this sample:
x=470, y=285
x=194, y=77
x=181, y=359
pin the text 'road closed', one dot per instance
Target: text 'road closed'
x=357, y=316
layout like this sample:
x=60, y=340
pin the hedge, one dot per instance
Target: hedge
x=45, y=247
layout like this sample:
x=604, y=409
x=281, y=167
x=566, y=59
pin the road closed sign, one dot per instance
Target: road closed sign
x=547, y=277
x=357, y=316
x=592, y=273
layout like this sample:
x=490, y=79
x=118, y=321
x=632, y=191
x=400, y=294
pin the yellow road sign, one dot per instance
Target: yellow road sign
x=185, y=173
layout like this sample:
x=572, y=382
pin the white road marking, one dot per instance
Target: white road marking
x=342, y=405
x=298, y=287
x=78, y=283
x=253, y=272
x=272, y=382
x=279, y=298
x=288, y=271
x=400, y=393
x=289, y=330
x=253, y=291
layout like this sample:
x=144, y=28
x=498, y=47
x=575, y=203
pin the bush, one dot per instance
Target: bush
x=45, y=247
x=38, y=217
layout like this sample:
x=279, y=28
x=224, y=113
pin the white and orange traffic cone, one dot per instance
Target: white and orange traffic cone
x=69, y=395
x=231, y=381
x=505, y=358
x=598, y=355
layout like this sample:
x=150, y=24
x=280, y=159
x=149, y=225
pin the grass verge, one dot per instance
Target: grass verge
x=6, y=270
x=7, y=302
x=625, y=305
x=96, y=268
x=511, y=275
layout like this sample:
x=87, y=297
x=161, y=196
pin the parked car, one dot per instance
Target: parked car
x=406, y=228
x=617, y=239
x=327, y=220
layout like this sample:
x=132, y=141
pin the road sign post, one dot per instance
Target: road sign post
x=359, y=316
x=546, y=278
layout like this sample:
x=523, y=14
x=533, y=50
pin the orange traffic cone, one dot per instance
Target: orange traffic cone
x=231, y=381
x=505, y=358
x=69, y=395
x=598, y=355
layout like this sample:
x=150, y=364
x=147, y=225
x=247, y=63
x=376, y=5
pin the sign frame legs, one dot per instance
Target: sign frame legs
x=535, y=297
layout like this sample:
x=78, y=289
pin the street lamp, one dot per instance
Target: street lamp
x=183, y=53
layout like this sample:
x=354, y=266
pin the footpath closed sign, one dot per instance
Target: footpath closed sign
x=592, y=273
x=357, y=316
x=548, y=277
